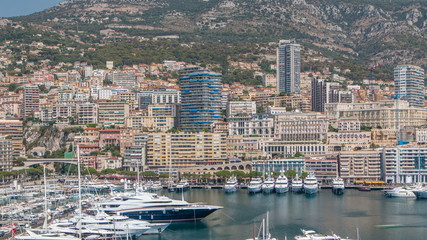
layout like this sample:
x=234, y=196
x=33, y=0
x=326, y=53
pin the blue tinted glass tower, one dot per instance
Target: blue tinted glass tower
x=200, y=99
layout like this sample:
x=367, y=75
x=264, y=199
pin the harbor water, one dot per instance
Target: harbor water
x=376, y=216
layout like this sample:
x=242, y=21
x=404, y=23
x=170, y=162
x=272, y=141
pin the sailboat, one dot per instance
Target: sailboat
x=264, y=231
x=45, y=233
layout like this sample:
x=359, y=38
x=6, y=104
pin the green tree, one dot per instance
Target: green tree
x=290, y=174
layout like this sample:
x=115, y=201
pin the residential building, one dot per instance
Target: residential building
x=323, y=92
x=300, y=127
x=421, y=136
x=122, y=78
x=87, y=113
x=359, y=165
x=288, y=66
x=112, y=113
x=31, y=101
x=200, y=99
x=389, y=114
x=278, y=149
x=109, y=137
x=6, y=154
x=14, y=131
x=277, y=165
x=240, y=108
x=260, y=125
x=348, y=125
x=242, y=147
x=325, y=167
x=185, y=149
x=347, y=141
x=166, y=96
x=404, y=164
x=409, y=84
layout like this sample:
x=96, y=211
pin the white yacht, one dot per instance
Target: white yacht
x=296, y=185
x=338, y=185
x=401, y=192
x=268, y=185
x=311, y=186
x=157, y=186
x=182, y=185
x=154, y=208
x=231, y=185
x=255, y=185
x=312, y=235
x=45, y=236
x=281, y=185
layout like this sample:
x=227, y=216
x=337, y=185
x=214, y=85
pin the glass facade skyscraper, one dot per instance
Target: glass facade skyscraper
x=200, y=99
x=409, y=84
x=288, y=66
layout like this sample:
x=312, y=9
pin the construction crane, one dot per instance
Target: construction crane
x=372, y=81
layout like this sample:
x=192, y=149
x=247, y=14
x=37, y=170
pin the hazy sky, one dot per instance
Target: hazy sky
x=11, y=8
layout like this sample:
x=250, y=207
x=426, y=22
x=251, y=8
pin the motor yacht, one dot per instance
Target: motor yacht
x=268, y=185
x=401, y=192
x=255, y=185
x=338, y=185
x=183, y=185
x=281, y=185
x=312, y=235
x=154, y=208
x=297, y=185
x=311, y=186
x=231, y=185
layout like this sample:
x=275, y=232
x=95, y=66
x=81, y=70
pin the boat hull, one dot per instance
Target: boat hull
x=421, y=194
x=169, y=214
x=281, y=189
x=268, y=189
x=230, y=189
x=297, y=189
x=254, y=189
x=311, y=190
x=338, y=190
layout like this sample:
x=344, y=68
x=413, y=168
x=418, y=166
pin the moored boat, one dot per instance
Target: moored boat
x=268, y=185
x=311, y=186
x=281, y=185
x=297, y=185
x=255, y=185
x=231, y=185
x=313, y=235
x=400, y=192
x=338, y=185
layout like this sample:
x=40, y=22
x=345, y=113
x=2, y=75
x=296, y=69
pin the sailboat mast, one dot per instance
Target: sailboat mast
x=45, y=198
x=80, y=190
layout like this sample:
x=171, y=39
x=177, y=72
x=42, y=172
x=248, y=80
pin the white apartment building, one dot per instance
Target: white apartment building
x=87, y=113
x=255, y=125
x=404, y=164
x=273, y=149
x=300, y=127
x=236, y=108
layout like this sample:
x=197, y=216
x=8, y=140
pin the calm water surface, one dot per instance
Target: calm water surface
x=290, y=212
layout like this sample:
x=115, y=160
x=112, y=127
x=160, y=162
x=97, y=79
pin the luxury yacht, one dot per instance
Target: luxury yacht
x=296, y=185
x=281, y=185
x=153, y=208
x=268, y=185
x=231, y=185
x=255, y=185
x=338, y=185
x=47, y=236
x=183, y=185
x=312, y=235
x=401, y=192
x=311, y=186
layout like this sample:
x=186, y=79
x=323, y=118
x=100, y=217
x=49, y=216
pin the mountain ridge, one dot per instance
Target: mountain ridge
x=371, y=31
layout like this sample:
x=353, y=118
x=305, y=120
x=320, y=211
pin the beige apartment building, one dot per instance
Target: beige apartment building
x=184, y=149
x=359, y=165
x=300, y=127
x=389, y=114
x=113, y=113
